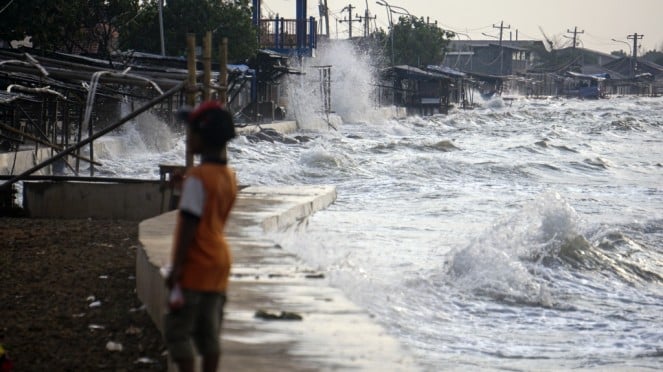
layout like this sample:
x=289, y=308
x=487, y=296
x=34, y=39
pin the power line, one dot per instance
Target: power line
x=349, y=19
x=575, y=33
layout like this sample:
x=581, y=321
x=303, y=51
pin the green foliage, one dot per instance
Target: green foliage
x=224, y=19
x=654, y=56
x=418, y=43
x=618, y=53
x=66, y=25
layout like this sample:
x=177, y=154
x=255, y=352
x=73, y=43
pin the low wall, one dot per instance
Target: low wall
x=132, y=201
x=24, y=160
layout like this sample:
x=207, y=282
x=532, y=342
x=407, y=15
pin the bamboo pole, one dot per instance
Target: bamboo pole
x=223, y=81
x=43, y=142
x=223, y=72
x=207, y=65
x=96, y=135
x=190, y=91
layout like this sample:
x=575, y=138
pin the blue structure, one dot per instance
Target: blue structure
x=286, y=36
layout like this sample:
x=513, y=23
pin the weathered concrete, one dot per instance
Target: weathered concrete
x=283, y=127
x=23, y=160
x=121, y=201
x=334, y=334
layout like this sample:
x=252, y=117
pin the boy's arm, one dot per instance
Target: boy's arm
x=188, y=224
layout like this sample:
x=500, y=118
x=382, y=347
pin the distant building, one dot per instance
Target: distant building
x=489, y=57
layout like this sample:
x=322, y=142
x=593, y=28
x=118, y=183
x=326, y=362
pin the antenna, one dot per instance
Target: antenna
x=548, y=44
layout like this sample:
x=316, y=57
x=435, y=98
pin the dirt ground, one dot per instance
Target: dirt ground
x=67, y=296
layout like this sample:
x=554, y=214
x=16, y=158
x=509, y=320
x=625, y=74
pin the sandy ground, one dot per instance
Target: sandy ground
x=67, y=296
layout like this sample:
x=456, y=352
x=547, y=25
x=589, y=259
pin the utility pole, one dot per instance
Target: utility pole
x=502, y=28
x=634, y=64
x=366, y=19
x=635, y=37
x=324, y=14
x=575, y=33
x=350, y=19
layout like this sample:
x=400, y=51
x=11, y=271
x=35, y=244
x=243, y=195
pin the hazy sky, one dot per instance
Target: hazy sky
x=602, y=20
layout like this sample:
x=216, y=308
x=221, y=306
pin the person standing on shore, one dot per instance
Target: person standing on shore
x=201, y=257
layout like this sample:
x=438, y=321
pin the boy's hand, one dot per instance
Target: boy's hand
x=173, y=277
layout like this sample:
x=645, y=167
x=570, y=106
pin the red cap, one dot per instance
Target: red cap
x=203, y=108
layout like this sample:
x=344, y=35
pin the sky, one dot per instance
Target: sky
x=601, y=20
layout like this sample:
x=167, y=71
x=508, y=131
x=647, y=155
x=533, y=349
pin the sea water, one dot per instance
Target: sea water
x=521, y=235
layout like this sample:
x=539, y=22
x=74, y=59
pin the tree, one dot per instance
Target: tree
x=90, y=26
x=418, y=43
x=618, y=53
x=654, y=56
x=224, y=19
x=73, y=26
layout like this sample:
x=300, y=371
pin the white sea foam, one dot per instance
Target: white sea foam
x=530, y=279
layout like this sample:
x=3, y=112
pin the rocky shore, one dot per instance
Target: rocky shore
x=68, y=300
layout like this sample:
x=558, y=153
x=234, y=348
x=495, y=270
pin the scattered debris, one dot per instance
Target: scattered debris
x=114, y=346
x=284, y=315
x=103, y=276
x=96, y=326
x=95, y=304
x=136, y=309
x=133, y=330
x=145, y=360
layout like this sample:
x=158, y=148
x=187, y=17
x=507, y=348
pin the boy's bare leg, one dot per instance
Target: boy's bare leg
x=185, y=365
x=211, y=362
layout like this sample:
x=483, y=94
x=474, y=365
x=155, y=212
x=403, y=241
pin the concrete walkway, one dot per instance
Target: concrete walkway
x=334, y=335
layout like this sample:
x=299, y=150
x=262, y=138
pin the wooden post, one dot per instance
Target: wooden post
x=190, y=89
x=223, y=81
x=207, y=65
x=223, y=72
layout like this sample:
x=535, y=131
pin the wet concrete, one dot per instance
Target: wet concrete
x=334, y=333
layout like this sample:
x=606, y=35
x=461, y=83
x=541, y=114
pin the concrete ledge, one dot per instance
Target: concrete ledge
x=126, y=201
x=24, y=160
x=334, y=334
x=283, y=127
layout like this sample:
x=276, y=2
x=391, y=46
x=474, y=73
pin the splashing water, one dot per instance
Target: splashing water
x=503, y=262
x=352, y=87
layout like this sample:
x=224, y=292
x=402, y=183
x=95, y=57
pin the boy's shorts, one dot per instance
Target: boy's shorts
x=199, y=320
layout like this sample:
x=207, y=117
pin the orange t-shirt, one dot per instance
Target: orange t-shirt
x=209, y=192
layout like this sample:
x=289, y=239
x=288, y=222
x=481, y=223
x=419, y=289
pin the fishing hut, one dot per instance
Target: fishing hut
x=285, y=42
x=54, y=106
x=421, y=92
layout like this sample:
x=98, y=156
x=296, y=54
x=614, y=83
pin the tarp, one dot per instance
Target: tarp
x=446, y=70
x=410, y=72
x=597, y=77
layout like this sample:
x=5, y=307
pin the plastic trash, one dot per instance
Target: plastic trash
x=145, y=360
x=114, y=346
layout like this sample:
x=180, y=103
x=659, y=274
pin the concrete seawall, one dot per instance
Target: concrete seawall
x=334, y=333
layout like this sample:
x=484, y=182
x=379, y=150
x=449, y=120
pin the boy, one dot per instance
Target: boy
x=201, y=256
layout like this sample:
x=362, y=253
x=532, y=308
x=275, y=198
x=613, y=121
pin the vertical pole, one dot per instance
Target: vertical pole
x=163, y=43
x=90, y=133
x=276, y=31
x=79, y=138
x=634, y=63
x=311, y=33
x=191, y=90
x=223, y=80
x=350, y=20
x=207, y=65
x=223, y=72
x=327, y=18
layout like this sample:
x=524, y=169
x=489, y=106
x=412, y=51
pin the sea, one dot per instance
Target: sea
x=521, y=235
